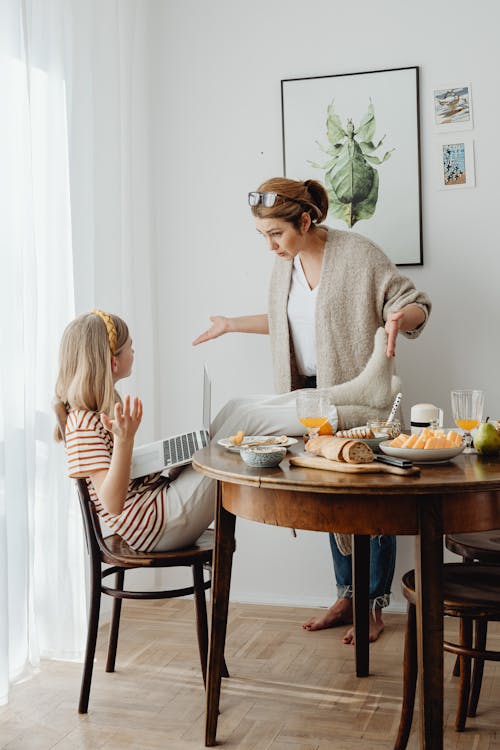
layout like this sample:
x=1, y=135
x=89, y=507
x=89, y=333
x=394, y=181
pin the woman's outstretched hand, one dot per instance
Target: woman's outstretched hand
x=126, y=419
x=220, y=325
x=392, y=328
x=407, y=319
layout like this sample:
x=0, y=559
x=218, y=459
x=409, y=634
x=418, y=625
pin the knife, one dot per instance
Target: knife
x=403, y=463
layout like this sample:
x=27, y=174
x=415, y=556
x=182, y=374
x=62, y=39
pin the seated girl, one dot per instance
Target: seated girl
x=153, y=513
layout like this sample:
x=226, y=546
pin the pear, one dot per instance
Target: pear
x=487, y=439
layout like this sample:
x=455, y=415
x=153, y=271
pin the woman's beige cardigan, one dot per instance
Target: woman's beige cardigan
x=358, y=287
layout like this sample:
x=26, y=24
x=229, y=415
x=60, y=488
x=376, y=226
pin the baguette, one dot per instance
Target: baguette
x=315, y=444
x=340, y=449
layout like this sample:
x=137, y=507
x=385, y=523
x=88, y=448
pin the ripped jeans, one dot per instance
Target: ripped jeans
x=382, y=563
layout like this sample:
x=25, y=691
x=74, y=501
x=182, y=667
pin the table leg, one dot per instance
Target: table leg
x=429, y=592
x=221, y=582
x=361, y=595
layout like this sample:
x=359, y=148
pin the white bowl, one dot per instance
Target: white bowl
x=421, y=456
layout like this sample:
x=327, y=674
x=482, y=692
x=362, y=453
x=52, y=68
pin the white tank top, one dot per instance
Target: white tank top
x=301, y=318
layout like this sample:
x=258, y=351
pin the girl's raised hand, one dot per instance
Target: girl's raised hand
x=126, y=419
x=218, y=328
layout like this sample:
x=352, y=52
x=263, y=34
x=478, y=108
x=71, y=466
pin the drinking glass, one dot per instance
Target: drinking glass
x=312, y=409
x=467, y=407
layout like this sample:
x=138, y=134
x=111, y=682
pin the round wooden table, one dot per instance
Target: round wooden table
x=462, y=495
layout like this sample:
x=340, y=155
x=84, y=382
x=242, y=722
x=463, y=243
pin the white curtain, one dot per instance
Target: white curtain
x=110, y=173
x=75, y=234
x=42, y=600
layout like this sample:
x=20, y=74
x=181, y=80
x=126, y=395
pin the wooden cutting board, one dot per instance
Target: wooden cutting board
x=318, y=462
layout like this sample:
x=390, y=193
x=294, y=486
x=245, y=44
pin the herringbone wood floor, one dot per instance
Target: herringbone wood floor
x=289, y=689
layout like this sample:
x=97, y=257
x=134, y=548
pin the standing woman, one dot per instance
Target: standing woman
x=330, y=292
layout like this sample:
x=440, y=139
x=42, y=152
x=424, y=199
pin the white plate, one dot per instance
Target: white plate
x=226, y=443
x=421, y=456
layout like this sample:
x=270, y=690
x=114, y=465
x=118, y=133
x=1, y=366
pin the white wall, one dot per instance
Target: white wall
x=216, y=133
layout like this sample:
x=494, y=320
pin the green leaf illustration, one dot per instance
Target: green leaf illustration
x=334, y=129
x=351, y=177
x=351, y=181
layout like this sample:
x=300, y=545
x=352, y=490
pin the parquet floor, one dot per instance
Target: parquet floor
x=289, y=690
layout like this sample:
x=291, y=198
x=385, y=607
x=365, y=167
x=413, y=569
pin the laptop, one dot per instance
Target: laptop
x=178, y=449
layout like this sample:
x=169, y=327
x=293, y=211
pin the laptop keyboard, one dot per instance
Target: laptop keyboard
x=182, y=447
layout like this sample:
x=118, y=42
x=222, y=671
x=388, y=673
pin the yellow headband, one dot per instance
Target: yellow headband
x=110, y=327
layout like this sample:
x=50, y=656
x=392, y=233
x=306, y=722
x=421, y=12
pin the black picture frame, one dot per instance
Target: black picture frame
x=384, y=109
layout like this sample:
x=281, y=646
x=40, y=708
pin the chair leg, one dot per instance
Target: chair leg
x=465, y=671
x=477, y=673
x=224, y=670
x=409, y=680
x=456, y=668
x=93, y=624
x=201, y=617
x=115, y=622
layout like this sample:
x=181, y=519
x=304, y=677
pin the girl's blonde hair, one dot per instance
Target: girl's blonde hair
x=85, y=379
x=303, y=197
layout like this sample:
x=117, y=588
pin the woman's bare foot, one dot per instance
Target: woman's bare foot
x=339, y=613
x=376, y=628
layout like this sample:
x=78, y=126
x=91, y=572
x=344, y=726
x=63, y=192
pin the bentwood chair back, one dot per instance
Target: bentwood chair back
x=111, y=550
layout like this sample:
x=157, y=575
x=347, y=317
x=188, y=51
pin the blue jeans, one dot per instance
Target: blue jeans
x=382, y=563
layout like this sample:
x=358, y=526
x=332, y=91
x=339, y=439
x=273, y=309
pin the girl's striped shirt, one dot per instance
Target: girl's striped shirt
x=89, y=447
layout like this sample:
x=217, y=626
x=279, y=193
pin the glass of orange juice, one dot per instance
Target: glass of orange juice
x=313, y=407
x=467, y=406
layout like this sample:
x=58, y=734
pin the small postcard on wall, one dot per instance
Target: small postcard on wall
x=453, y=107
x=455, y=164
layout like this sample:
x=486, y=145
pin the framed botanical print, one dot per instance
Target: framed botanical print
x=358, y=134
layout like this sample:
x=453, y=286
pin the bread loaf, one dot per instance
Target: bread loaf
x=315, y=444
x=340, y=449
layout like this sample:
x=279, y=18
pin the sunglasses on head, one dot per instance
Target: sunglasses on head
x=268, y=200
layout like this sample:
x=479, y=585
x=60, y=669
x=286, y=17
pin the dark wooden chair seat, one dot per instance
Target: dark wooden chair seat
x=482, y=546
x=471, y=593
x=116, y=551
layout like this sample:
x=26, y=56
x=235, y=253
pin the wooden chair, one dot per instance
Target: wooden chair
x=476, y=547
x=471, y=593
x=112, y=550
